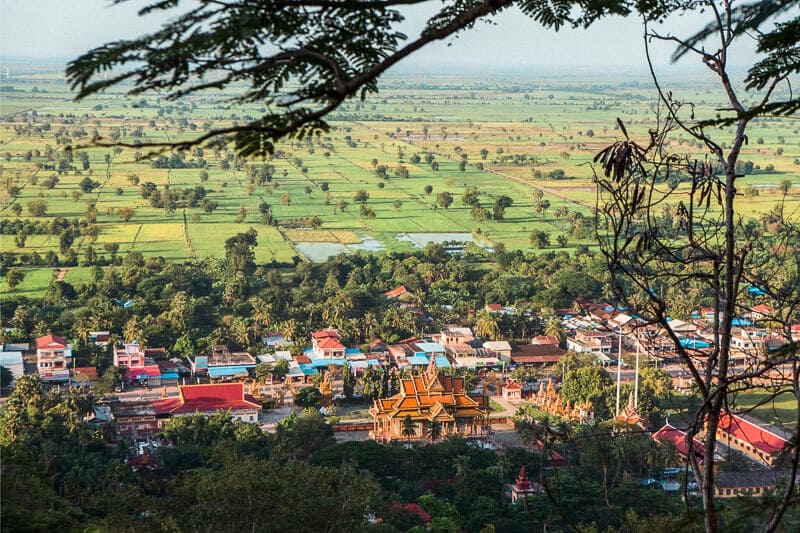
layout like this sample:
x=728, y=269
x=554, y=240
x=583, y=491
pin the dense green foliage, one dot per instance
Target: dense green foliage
x=191, y=307
x=220, y=475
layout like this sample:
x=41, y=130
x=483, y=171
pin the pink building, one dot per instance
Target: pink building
x=130, y=356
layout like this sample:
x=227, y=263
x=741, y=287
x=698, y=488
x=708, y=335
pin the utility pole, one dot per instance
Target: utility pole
x=636, y=384
x=619, y=369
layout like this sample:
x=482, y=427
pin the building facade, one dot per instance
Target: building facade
x=53, y=356
x=754, y=440
x=428, y=401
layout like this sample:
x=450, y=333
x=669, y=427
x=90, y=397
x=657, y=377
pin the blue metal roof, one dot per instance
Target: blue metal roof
x=169, y=375
x=308, y=370
x=694, y=343
x=322, y=363
x=430, y=347
x=352, y=351
x=223, y=371
x=442, y=362
x=418, y=360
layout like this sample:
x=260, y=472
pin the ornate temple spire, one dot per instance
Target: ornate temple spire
x=432, y=372
x=523, y=483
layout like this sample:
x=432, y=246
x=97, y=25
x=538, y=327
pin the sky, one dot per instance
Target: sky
x=59, y=30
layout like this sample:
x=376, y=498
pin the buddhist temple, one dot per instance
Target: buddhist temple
x=549, y=400
x=522, y=487
x=630, y=414
x=207, y=400
x=428, y=398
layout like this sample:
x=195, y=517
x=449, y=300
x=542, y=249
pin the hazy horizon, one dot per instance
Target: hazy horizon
x=52, y=32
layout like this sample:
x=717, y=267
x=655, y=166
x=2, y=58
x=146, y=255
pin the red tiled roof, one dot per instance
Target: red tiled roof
x=206, y=398
x=512, y=385
x=151, y=371
x=50, y=341
x=678, y=439
x=545, y=339
x=494, y=307
x=330, y=343
x=326, y=333
x=763, y=309
x=747, y=431
x=394, y=293
x=302, y=359
x=88, y=371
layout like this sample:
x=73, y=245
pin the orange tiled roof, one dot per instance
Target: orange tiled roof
x=429, y=396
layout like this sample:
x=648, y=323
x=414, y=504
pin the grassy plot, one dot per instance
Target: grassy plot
x=780, y=409
x=33, y=285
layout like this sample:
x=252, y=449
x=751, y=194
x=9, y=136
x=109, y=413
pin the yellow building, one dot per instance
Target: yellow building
x=428, y=399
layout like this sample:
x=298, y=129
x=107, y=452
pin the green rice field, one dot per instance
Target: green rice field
x=511, y=134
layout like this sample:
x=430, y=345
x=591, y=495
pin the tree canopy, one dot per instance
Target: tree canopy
x=304, y=58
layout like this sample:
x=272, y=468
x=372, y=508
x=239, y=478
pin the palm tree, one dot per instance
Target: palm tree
x=487, y=326
x=263, y=314
x=240, y=331
x=435, y=430
x=370, y=326
x=552, y=328
x=288, y=328
x=409, y=428
x=133, y=331
x=263, y=371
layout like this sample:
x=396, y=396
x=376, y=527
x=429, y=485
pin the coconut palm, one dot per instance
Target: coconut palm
x=552, y=328
x=288, y=328
x=240, y=331
x=263, y=313
x=487, y=326
x=435, y=430
x=370, y=325
x=409, y=428
x=132, y=331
